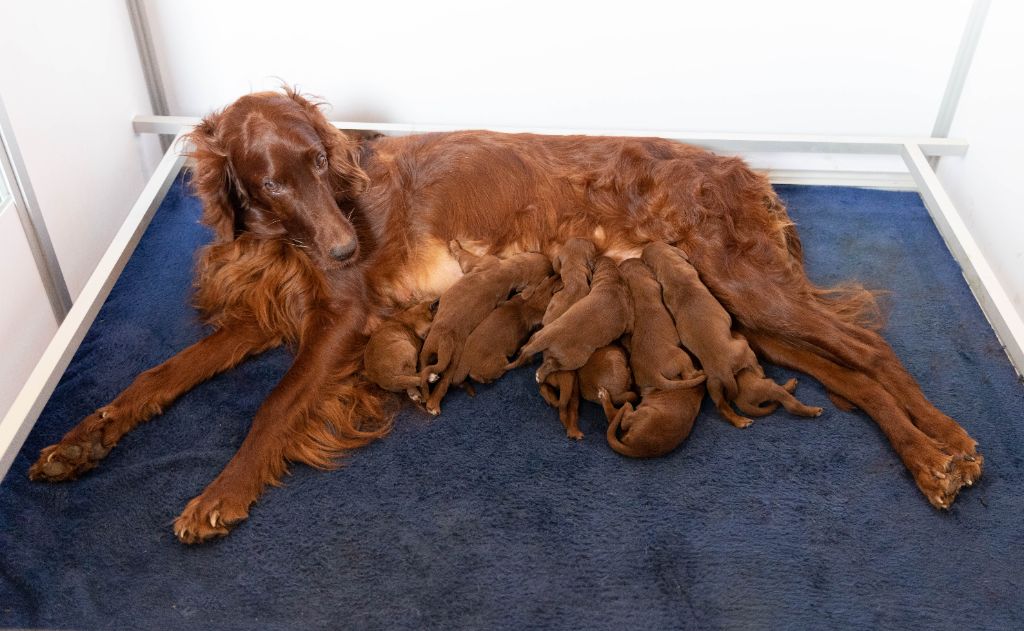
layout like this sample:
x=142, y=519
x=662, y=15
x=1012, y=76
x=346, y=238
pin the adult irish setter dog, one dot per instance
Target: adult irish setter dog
x=318, y=236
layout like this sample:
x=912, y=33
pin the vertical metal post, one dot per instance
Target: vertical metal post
x=150, y=68
x=32, y=221
x=958, y=73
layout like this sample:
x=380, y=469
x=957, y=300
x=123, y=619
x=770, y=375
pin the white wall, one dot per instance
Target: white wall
x=71, y=82
x=868, y=67
x=984, y=184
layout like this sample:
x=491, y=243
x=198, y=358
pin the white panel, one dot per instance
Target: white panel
x=985, y=183
x=796, y=66
x=26, y=321
x=71, y=81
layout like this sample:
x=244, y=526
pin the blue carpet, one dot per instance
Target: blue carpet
x=488, y=517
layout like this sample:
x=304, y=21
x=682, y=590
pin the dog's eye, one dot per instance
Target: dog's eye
x=321, y=161
x=271, y=186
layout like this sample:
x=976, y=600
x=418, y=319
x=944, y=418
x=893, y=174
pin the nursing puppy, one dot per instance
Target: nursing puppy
x=596, y=320
x=607, y=368
x=574, y=263
x=705, y=328
x=654, y=353
x=465, y=305
x=502, y=333
x=391, y=353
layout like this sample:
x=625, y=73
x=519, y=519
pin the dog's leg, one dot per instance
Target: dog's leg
x=775, y=300
x=934, y=471
x=89, y=442
x=329, y=352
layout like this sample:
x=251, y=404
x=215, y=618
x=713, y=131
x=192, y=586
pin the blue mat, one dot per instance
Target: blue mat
x=488, y=517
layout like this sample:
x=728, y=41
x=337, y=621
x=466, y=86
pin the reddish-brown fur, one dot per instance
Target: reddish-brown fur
x=574, y=262
x=704, y=327
x=601, y=317
x=654, y=353
x=271, y=276
x=502, y=333
x=393, y=350
x=607, y=368
x=658, y=425
x=472, y=298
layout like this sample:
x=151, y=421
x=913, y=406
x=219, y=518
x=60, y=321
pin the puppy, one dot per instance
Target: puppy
x=487, y=284
x=561, y=390
x=658, y=425
x=607, y=368
x=574, y=263
x=595, y=320
x=654, y=353
x=502, y=334
x=389, y=359
x=705, y=328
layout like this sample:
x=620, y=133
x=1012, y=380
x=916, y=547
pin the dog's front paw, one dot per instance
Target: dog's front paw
x=75, y=454
x=207, y=516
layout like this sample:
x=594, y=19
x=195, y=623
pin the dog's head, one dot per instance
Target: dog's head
x=271, y=165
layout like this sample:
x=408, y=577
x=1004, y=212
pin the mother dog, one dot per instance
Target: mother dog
x=318, y=237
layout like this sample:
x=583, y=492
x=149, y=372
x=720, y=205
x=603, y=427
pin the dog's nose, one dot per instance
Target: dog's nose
x=342, y=251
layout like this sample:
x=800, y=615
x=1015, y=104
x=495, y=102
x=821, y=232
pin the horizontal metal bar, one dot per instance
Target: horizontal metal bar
x=22, y=415
x=988, y=291
x=716, y=141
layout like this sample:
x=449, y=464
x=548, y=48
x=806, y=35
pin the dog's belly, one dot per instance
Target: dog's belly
x=432, y=269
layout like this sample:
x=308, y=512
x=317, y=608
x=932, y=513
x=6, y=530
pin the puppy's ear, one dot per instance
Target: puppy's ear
x=348, y=178
x=213, y=180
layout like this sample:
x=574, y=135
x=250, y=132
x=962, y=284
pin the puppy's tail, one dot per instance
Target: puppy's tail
x=532, y=347
x=443, y=357
x=680, y=384
x=612, y=435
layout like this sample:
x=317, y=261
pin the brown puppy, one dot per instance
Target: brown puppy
x=465, y=305
x=658, y=425
x=574, y=262
x=389, y=359
x=607, y=368
x=502, y=334
x=561, y=390
x=598, y=319
x=705, y=328
x=654, y=354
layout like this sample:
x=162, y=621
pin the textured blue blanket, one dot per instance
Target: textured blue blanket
x=488, y=517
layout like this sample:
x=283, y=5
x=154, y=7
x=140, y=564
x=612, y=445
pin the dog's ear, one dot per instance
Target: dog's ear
x=213, y=180
x=348, y=177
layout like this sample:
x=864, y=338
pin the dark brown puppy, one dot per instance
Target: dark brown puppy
x=598, y=319
x=654, y=353
x=658, y=425
x=705, y=328
x=502, y=333
x=465, y=305
x=607, y=368
x=391, y=353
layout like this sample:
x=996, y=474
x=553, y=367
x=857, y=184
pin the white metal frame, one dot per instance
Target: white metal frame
x=994, y=301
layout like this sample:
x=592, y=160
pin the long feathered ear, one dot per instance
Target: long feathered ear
x=213, y=181
x=349, y=179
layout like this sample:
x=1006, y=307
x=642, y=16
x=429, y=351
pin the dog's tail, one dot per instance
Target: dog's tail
x=615, y=421
x=533, y=346
x=679, y=384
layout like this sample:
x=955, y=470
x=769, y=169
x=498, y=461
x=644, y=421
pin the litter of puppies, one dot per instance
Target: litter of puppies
x=643, y=332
